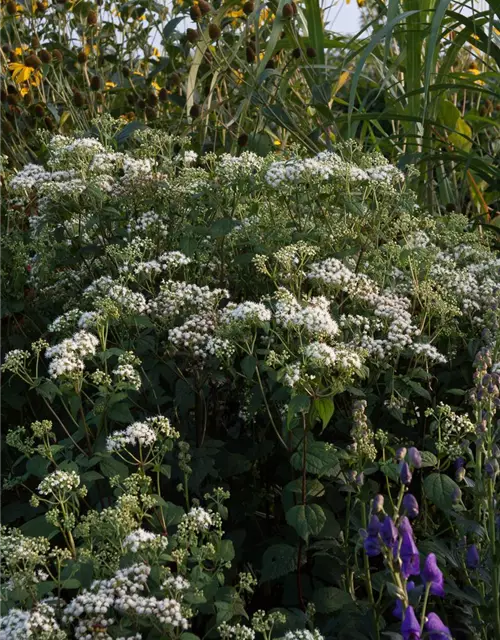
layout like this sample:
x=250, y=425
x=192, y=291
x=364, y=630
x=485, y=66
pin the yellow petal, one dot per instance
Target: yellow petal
x=20, y=73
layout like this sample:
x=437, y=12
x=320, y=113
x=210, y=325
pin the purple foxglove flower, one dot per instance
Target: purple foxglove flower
x=389, y=533
x=432, y=574
x=410, y=628
x=372, y=542
x=435, y=628
x=400, y=453
x=492, y=468
x=410, y=504
x=405, y=474
x=397, y=612
x=414, y=457
x=472, y=557
x=378, y=503
x=408, y=551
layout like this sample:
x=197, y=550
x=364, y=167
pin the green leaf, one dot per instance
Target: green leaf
x=298, y=404
x=39, y=527
x=321, y=459
x=111, y=467
x=120, y=412
x=428, y=459
x=330, y=599
x=221, y=228
x=277, y=561
x=37, y=466
x=323, y=409
x=173, y=514
x=248, y=365
x=306, y=519
x=439, y=489
x=226, y=550
x=71, y=583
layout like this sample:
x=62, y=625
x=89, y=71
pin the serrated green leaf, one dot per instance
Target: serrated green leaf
x=439, y=489
x=306, y=519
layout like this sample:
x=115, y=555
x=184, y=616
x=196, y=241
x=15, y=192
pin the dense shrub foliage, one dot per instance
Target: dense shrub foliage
x=244, y=396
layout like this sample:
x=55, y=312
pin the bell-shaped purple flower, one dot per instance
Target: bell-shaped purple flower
x=371, y=543
x=410, y=558
x=410, y=627
x=410, y=505
x=397, y=612
x=400, y=453
x=435, y=628
x=415, y=457
x=405, y=475
x=378, y=503
x=472, y=557
x=389, y=533
x=432, y=574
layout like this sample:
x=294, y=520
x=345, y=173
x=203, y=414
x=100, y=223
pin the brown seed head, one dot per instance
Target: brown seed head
x=92, y=18
x=3, y=95
x=163, y=95
x=248, y=7
x=12, y=99
x=151, y=114
x=250, y=53
x=195, y=111
x=95, y=83
x=35, y=41
x=243, y=140
x=204, y=7
x=39, y=110
x=126, y=72
x=174, y=80
x=192, y=35
x=287, y=10
x=195, y=13
x=78, y=99
x=152, y=99
x=296, y=53
x=310, y=52
x=13, y=57
x=214, y=31
x=57, y=55
x=12, y=90
x=40, y=7
x=28, y=99
x=33, y=61
x=49, y=123
x=6, y=48
x=45, y=56
x=82, y=57
x=294, y=8
x=11, y=7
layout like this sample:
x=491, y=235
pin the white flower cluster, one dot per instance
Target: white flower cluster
x=38, y=624
x=106, y=163
x=67, y=357
x=247, y=312
x=141, y=539
x=74, y=153
x=168, y=261
x=147, y=221
x=130, y=302
x=197, y=520
x=66, y=322
x=187, y=158
x=15, y=359
x=59, y=482
x=176, y=297
x=32, y=176
x=136, y=434
x=303, y=634
x=176, y=584
x=120, y=594
x=193, y=335
x=238, y=168
x=235, y=632
x=328, y=166
x=314, y=316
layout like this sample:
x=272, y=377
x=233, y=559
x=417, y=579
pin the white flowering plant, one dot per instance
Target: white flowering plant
x=283, y=328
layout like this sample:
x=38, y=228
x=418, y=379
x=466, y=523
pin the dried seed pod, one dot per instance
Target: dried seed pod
x=195, y=111
x=35, y=41
x=204, y=7
x=310, y=52
x=294, y=8
x=40, y=7
x=12, y=90
x=33, y=61
x=248, y=7
x=82, y=57
x=152, y=99
x=195, y=13
x=174, y=80
x=192, y=35
x=57, y=55
x=92, y=18
x=11, y=7
x=296, y=53
x=243, y=140
x=45, y=56
x=39, y=111
x=151, y=113
x=95, y=83
x=141, y=103
x=271, y=65
x=250, y=53
x=126, y=72
x=49, y=123
x=78, y=99
x=214, y=31
x=163, y=95
x=27, y=99
x=12, y=99
x=13, y=57
x=7, y=128
x=287, y=11
x=6, y=48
